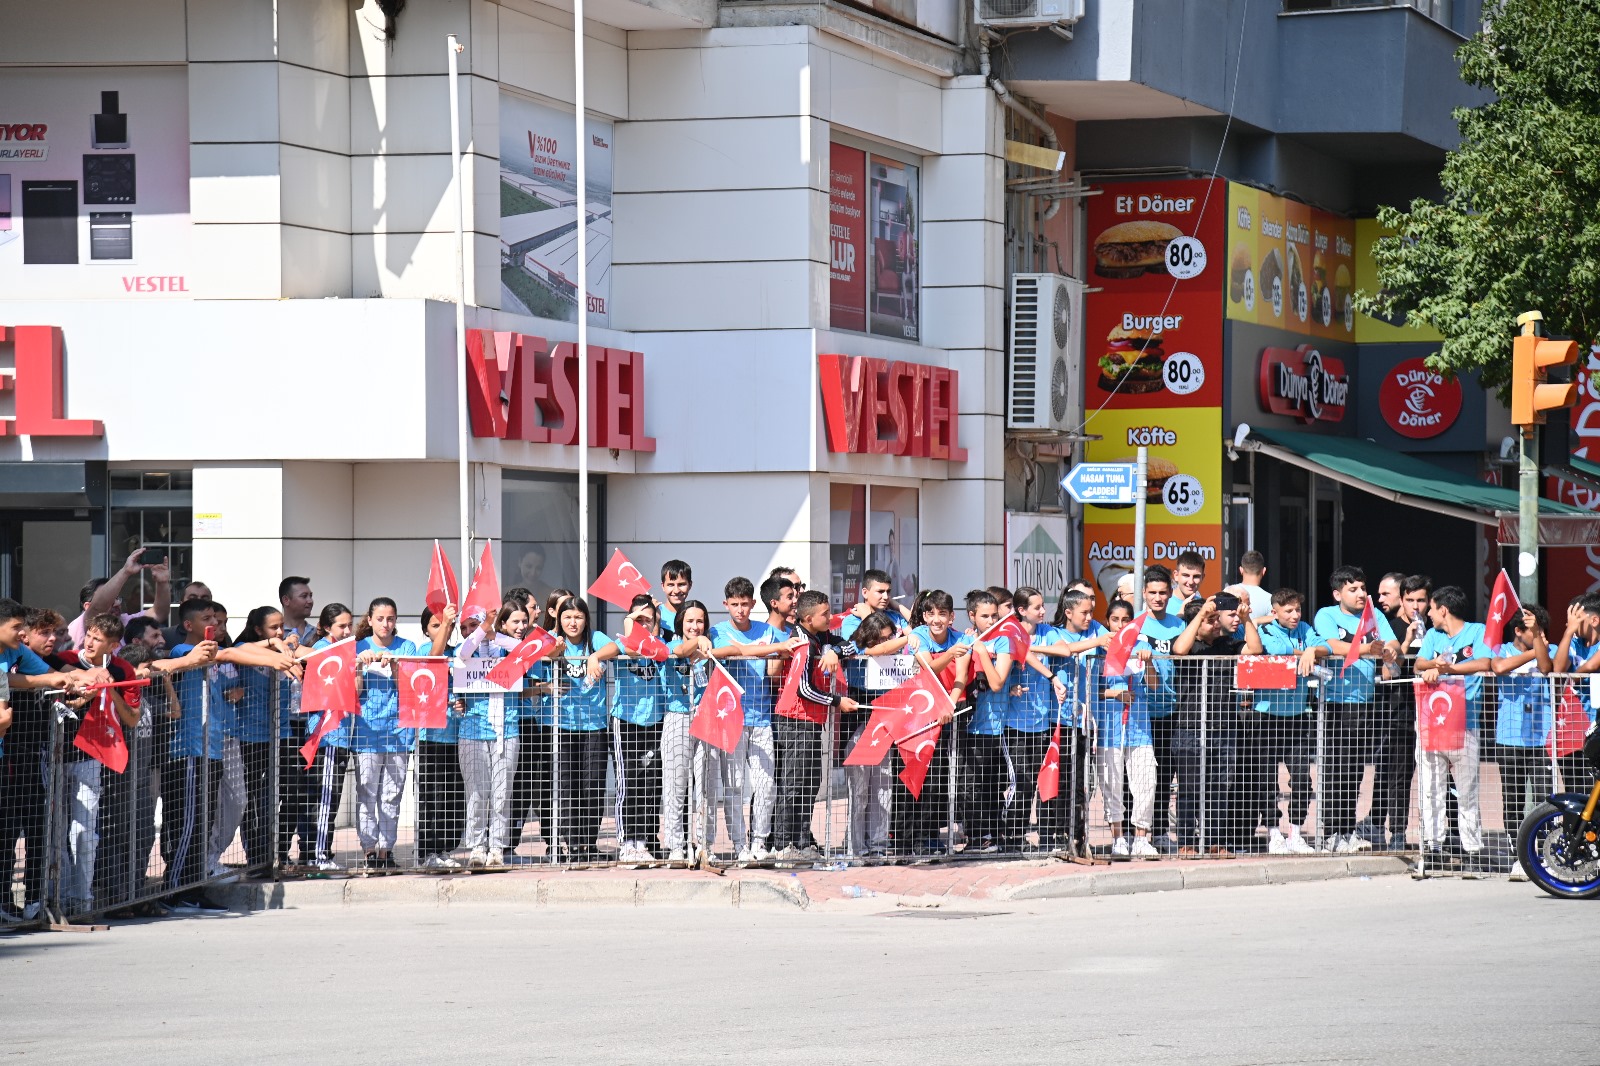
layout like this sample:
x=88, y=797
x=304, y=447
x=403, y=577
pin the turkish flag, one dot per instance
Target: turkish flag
x=789, y=703
x=620, y=582
x=1121, y=647
x=837, y=620
x=1050, y=772
x=1009, y=627
x=1441, y=715
x=484, y=593
x=877, y=737
x=1366, y=628
x=643, y=644
x=719, y=719
x=1572, y=724
x=442, y=587
x=424, y=694
x=535, y=646
x=919, y=700
x=1260, y=673
x=100, y=734
x=917, y=753
x=1503, y=607
x=329, y=686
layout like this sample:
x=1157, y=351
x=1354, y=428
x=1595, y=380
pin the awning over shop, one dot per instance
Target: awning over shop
x=1363, y=465
x=1579, y=471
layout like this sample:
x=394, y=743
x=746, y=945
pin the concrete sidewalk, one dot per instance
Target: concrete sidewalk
x=952, y=884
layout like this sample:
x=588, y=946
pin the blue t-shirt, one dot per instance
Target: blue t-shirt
x=1118, y=724
x=1074, y=669
x=23, y=660
x=188, y=742
x=255, y=710
x=1277, y=640
x=377, y=727
x=1578, y=653
x=1468, y=644
x=637, y=697
x=580, y=703
x=682, y=681
x=855, y=670
x=1035, y=710
x=991, y=709
x=1353, y=685
x=751, y=674
x=1157, y=634
x=1526, y=698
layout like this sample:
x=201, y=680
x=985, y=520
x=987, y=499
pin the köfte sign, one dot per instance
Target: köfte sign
x=38, y=385
x=1417, y=402
x=524, y=388
x=1303, y=383
x=879, y=407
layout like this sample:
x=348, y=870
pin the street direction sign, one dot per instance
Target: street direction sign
x=1101, y=483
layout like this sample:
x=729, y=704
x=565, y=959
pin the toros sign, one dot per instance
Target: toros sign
x=1418, y=402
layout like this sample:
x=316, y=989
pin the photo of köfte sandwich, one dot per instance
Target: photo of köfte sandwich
x=1158, y=472
x=1238, y=268
x=1132, y=362
x=1129, y=249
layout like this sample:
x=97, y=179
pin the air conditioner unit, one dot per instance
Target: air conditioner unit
x=1045, y=366
x=1015, y=14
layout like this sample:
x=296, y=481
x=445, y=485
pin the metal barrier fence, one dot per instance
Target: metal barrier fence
x=579, y=770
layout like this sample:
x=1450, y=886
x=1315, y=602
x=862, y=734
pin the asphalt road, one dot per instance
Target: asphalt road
x=1386, y=970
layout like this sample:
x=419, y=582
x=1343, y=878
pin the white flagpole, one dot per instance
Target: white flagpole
x=453, y=48
x=580, y=171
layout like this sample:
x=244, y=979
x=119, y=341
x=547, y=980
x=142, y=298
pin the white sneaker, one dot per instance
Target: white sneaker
x=746, y=855
x=1359, y=843
x=326, y=865
x=1277, y=843
x=676, y=855
x=1349, y=844
x=497, y=856
x=1298, y=845
x=1119, y=847
x=642, y=853
x=1330, y=843
x=1143, y=849
x=760, y=852
x=438, y=861
x=479, y=857
x=1517, y=872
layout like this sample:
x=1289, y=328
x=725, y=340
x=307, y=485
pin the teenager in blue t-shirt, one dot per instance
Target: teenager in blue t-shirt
x=1523, y=718
x=441, y=793
x=1282, y=729
x=382, y=749
x=579, y=668
x=1034, y=711
x=1453, y=648
x=636, y=713
x=742, y=645
x=990, y=671
x=1156, y=635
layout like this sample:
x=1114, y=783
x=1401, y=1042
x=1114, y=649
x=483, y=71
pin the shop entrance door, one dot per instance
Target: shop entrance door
x=45, y=558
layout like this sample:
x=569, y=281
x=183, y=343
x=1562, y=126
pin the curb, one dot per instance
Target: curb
x=1220, y=875
x=767, y=892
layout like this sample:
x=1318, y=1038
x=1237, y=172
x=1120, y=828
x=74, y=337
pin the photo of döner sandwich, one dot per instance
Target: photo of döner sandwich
x=1130, y=249
x=1132, y=362
x=1270, y=280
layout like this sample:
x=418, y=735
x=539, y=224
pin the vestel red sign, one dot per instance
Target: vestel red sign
x=38, y=384
x=525, y=388
x=879, y=407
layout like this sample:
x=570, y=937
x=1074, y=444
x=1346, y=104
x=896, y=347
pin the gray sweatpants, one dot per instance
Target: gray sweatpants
x=489, y=769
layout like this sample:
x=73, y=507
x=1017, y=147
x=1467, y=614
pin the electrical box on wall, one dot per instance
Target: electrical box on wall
x=1045, y=354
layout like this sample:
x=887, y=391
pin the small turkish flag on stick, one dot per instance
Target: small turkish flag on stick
x=620, y=582
x=917, y=753
x=1364, y=629
x=329, y=686
x=484, y=593
x=442, y=587
x=1120, y=650
x=1050, y=772
x=535, y=646
x=643, y=644
x=1571, y=726
x=1503, y=607
x=1441, y=715
x=719, y=718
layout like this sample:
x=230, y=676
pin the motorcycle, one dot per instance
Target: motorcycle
x=1558, y=844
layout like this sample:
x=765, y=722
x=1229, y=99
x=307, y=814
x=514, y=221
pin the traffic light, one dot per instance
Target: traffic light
x=1530, y=356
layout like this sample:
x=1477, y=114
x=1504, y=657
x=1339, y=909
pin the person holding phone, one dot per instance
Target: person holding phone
x=103, y=595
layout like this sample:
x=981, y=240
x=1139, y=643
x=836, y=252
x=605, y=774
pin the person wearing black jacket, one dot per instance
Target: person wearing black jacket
x=1208, y=710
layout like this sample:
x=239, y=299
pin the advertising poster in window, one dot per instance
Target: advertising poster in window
x=539, y=212
x=1290, y=266
x=847, y=237
x=94, y=183
x=896, y=283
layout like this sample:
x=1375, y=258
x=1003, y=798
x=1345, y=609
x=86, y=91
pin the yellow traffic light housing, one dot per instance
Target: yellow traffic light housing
x=1531, y=355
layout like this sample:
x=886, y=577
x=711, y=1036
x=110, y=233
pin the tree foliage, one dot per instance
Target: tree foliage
x=1519, y=224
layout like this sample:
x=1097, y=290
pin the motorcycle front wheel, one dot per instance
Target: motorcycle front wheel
x=1565, y=864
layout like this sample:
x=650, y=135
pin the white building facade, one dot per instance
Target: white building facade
x=227, y=267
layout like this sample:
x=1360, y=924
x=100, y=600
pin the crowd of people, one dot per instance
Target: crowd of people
x=1185, y=761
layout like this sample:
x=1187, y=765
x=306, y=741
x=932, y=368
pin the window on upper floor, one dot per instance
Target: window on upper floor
x=874, y=206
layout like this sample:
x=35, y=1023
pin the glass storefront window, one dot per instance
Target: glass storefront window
x=151, y=509
x=873, y=213
x=872, y=527
x=539, y=527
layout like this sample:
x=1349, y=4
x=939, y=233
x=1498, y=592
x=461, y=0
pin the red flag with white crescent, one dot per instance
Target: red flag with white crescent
x=1441, y=715
x=917, y=753
x=442, y=587
x=1503, y=607
x=643, y=644
x=484, y=593
x=1009, y=627
x=1120, y=650
x=424, y=687
x=100, y=733
x=1364, y=629
x=1571, y=725
x=1050, y=772
x=329, y=686
x=719, y=718
x=535, y=646
x=619, y=582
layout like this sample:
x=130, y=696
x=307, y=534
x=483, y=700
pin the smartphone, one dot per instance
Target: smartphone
x=152, y=556
x=211, y=632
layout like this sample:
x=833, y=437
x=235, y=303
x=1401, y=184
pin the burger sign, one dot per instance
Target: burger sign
x=1418, y=402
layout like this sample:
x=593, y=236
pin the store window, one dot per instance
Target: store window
x=874, y=209
x=152, y=510
x=873, y=527
x=539, y=530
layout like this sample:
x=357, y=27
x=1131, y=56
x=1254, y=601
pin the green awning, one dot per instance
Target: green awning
x=1585, y=467
x=1394, y=476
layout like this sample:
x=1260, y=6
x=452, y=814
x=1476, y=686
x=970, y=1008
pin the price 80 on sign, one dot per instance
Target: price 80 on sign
x=1186, y=257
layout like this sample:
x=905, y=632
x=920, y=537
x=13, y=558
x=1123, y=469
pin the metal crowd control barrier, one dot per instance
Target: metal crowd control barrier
x=574, y=771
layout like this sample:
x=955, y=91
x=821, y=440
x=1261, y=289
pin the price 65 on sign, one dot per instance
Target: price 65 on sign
x=1183, y=495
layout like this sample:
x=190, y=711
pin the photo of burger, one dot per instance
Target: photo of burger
x=1158, y=471
x=1132, y=362
x=1241, y=286
x=1130, y=249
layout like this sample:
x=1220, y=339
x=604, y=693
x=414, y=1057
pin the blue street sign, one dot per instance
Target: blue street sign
x=1101, y=482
